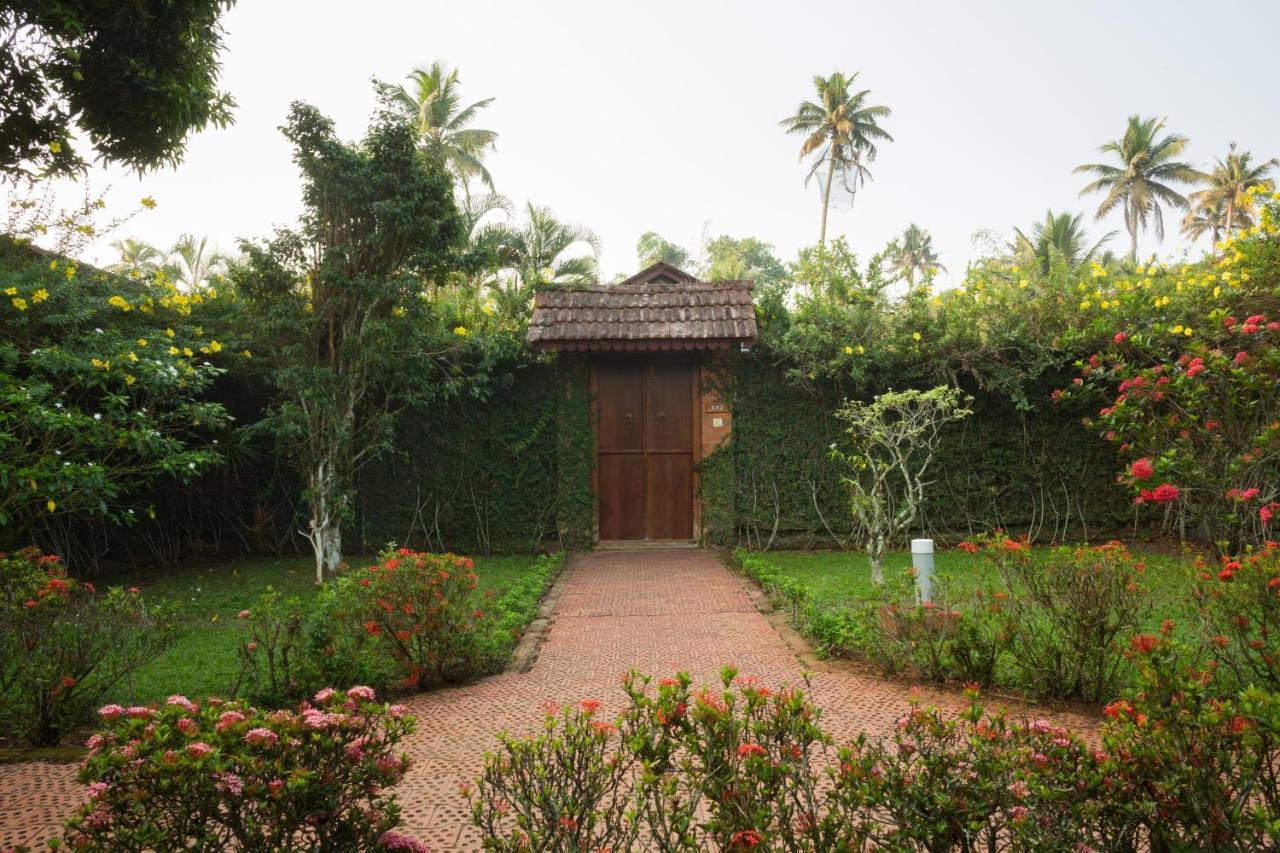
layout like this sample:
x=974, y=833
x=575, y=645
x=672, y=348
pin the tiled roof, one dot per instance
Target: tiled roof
x=674, y=312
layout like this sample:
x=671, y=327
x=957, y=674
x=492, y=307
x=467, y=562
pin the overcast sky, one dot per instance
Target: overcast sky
x=629, y=117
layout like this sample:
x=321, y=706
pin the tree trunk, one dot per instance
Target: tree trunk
x=826, y=200
x=1133, y=243
x=325, y=532
x=1231, y=215
x=875, y=556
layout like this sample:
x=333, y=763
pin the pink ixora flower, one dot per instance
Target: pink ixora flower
x=325, y=695
x=391, y=840
x=229, y=783
x=188, y=726
x=261, y=737
x=111, y=712
x=362, y=692
x=95, y=742
x=229, y=719
x=97, y=789
x=139, y=712
x=182, y=702
x=198, y=750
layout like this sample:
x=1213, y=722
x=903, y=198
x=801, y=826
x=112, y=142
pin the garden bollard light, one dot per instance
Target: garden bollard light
x=922, y=562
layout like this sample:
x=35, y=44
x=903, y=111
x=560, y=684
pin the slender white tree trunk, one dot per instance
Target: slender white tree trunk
x=325, y=531
x=875, y=556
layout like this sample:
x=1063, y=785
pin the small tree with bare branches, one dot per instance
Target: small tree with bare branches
x=893, y=439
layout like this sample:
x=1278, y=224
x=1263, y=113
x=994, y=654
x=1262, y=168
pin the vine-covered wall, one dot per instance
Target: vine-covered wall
x=1036, y=472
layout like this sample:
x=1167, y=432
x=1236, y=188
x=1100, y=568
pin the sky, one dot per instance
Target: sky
x=663, y=116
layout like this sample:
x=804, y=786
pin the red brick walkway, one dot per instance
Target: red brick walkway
x=656, y=611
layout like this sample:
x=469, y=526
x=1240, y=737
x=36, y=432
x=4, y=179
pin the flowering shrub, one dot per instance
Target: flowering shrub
x=1073, y=610
x=1240, y=605
x=64, y=646
x=1195, y=768
x=273, y=657
x=742, y=766
x=423, y=611
x=225, y=776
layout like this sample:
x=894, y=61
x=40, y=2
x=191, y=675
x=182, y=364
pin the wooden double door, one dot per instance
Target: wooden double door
x=645, y=444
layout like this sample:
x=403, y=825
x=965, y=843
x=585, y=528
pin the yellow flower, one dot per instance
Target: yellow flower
x=848, y=350
x=55, y=148
x=489, y=307
x=460, y=331
x=11, y=291
x=1022, y=284
x=214, y=346
x=19, y=303
x=915, y=336
x=246, y=354
x=129, y=379
x=861, y=349
x=168, y=333
x=142, y=342
x=1188, y=331
x=399, y=311
x=52, y=504
x=120, y=302
x=53, y=265
x=149, y=203
x=1177, y=330
x=39, y=296
x=174, y=350
x=132, y=356
x=187, y=352
x=99, y=364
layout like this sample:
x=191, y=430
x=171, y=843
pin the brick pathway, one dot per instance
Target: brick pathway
x=656, y=611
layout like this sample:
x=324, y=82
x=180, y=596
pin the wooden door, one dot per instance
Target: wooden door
x=645, y=443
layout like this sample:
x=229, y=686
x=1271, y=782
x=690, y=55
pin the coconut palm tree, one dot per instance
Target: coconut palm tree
x=1229, y=183
x=137, y=257
x=1060, y=238
x=1139, y=183
x=432, y=98
x=840, y=133
x=192, y=263
x=539, y=253
x=912, y=254
x=1207, y=217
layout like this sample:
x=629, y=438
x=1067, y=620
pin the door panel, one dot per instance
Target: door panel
x=621, y=496
x=621, y=403
x=669, y=496
x=668, y=413
x=644, y=439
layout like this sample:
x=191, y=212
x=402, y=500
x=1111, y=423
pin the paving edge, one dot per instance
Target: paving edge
x=526, y=653
x=794, y=640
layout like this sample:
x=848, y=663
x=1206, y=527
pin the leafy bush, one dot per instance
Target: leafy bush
x=273, y=656
x=1074, y=610
x=1240, y=606
x=64, y=646
x=743, y=766
x=225, y=776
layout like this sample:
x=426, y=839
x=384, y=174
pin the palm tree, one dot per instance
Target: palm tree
x=1229, y=185
x=840, y=131
x=137, y=257
x=1060, y=238
x=433, y=100
x=537, y=254
x=1207, y=217
x=913, y=254
x=192, y=263
x=1141, y=180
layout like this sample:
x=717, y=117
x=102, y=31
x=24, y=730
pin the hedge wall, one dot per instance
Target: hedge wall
x=1034, y=471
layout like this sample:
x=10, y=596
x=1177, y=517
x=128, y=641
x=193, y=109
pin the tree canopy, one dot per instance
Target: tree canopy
x=135, y=78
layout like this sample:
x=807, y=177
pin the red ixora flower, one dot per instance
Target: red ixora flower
x=1164, y=493
x=749, y=749
x=1142, y=469
x=745, y=838
x=1145, y=643
x=1120, y=337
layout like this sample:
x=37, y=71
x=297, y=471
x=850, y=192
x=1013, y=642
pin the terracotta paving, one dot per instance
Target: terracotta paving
x=655, y=611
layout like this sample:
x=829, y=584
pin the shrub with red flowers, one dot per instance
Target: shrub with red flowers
x=1199, y=411
x=225, y=776
x=1192, y=763
x=1074, y=610
x=424, y=612
x=65, y=646
x=1239, y=602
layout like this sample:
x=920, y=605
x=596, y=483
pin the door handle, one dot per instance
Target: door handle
x=662, y=416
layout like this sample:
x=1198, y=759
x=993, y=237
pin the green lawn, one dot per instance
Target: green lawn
x=844, y=577
x=203, y=660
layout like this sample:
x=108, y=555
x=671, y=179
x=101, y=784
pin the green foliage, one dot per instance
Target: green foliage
x=575, y=457
x=136, y=78
x=64, y=646
x=103, y=382
x=338, y=307
x=653, y=247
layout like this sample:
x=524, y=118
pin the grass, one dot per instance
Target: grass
x=838, y=578
x=203, y=661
